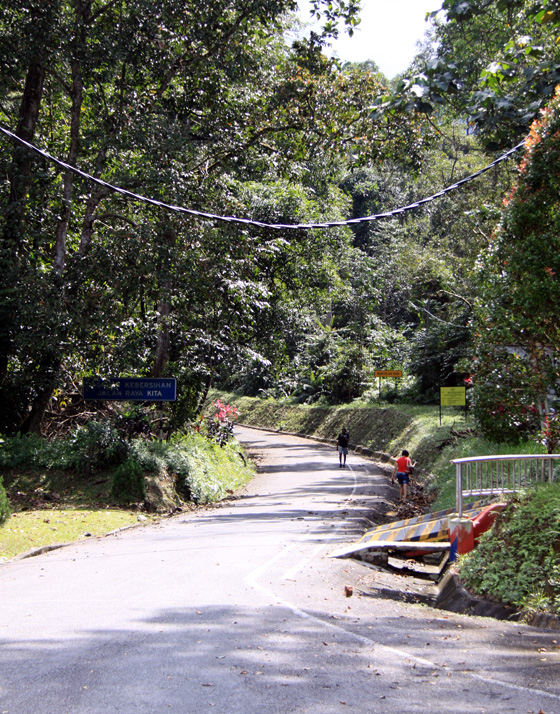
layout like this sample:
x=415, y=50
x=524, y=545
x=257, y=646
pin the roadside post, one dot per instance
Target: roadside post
x=383, y=373
x=452, y=397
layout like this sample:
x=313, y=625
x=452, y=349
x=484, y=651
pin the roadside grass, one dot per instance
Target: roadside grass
x=27, y=530
x=387, y=428
x=31, y=488
x=49, y=507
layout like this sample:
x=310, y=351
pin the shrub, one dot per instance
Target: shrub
x=348, y=375
x=205, y=471
x=151, y=455
x=98, y=445
x=21, y=451
x=518, y=560
x=128, y=483
x=93, y=446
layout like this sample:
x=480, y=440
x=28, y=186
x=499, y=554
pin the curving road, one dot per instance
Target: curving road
x=238, y=610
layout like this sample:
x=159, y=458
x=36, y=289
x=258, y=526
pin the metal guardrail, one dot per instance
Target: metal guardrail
x=495, y=475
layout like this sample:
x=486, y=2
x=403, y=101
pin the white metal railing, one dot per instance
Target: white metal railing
x=494, y=475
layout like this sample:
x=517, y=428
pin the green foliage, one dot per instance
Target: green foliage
x=97, y=445
x=517, y=321
x=549, y=435
x=4, y=504
x=31, y=452
x=204, y=471
x=518, y=560
x=92, y=447
x=128, y=485
x=348, y=375
x=494, y=62
x=503, y=404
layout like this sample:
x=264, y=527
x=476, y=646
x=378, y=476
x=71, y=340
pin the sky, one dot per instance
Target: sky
x=387, y=34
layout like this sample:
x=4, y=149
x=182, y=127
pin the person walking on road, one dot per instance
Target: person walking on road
x=403, y=470
x=342, y=441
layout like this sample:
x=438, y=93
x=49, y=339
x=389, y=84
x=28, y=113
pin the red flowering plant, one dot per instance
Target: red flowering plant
x=550, y=433
x=224, y=412
x=199, y=423
x=221, y=427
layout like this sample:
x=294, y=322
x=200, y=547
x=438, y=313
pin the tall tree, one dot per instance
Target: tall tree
x=518, y=346
x=183, y=102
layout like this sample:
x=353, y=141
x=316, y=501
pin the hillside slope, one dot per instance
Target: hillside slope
x=383, y=430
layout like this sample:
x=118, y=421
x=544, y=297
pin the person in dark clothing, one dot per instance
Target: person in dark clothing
x=342, y=441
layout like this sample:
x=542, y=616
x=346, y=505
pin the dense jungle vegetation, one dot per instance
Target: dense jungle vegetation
x=233, y=109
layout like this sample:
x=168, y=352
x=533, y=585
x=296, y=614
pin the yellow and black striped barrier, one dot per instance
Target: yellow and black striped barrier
x=432, y=527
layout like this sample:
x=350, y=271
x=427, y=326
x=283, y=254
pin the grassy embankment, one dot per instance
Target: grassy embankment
x=52, y=502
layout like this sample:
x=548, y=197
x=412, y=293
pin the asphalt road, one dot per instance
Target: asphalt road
x=239, y=610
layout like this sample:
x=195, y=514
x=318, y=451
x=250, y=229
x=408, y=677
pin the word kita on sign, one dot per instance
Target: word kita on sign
x=124, y=389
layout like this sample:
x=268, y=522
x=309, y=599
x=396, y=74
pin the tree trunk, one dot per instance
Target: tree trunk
x=19, y=178
x=49, y=362
x=76, y=94
x=168, y=237
x=164, y=340
x=204, y=394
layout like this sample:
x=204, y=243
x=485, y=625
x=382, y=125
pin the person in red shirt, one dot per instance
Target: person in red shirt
x=403, y=469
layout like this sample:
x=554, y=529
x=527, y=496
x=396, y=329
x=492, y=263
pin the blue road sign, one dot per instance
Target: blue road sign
x=136, y=389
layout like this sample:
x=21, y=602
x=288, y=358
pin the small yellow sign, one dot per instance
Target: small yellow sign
x=453, y=396
x=388, y=372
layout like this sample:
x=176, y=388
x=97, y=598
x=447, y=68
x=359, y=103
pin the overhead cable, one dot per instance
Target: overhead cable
x=431, y=314
x=249, y=221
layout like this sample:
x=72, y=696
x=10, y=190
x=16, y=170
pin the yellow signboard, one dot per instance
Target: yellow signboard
x=453, y=396
x=388, y=372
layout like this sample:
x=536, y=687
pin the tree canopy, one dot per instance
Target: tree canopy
x=517, y=321
x=219, y=107
x=204, y=105
x=494, y=63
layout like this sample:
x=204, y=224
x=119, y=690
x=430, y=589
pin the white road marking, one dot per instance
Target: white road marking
x=252, y=580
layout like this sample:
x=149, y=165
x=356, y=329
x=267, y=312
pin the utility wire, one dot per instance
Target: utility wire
x=248, y=221
x=431, y=314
